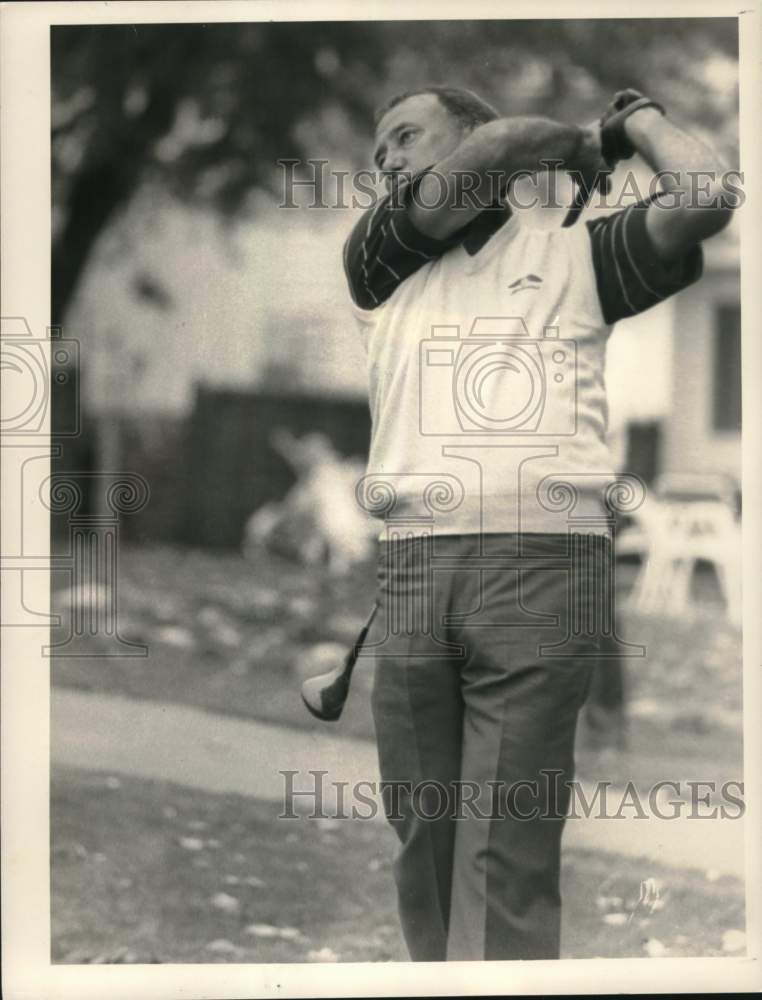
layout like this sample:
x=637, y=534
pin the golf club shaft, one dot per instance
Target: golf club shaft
x=582, y=196
x=364, y=633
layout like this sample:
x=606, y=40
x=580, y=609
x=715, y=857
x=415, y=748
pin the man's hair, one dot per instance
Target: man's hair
x=466, y=107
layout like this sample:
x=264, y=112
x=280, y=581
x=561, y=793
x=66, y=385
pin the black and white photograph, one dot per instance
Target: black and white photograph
x=380, y=499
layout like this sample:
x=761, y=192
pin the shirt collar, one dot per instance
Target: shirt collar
x=485, y=225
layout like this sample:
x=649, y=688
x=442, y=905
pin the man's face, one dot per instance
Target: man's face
x=415, y=134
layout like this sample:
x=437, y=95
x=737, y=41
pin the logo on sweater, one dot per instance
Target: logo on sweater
x=528, y=281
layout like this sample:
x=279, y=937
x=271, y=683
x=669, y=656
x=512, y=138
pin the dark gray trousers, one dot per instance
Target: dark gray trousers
x=469, y=699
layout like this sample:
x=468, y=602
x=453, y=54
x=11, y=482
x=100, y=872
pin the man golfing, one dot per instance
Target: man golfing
x=486, y=345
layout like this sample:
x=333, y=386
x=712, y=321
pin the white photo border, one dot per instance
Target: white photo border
x=26, y=203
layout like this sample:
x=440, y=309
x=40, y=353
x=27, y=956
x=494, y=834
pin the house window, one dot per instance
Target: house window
x=727, y=368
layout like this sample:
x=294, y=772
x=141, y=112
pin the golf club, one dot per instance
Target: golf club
x=326, y=694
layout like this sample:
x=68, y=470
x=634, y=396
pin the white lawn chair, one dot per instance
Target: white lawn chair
x=679, y=533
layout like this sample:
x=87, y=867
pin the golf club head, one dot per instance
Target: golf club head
x=326, y=694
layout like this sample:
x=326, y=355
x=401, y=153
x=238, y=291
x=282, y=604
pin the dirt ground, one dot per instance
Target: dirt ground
x=176, y=875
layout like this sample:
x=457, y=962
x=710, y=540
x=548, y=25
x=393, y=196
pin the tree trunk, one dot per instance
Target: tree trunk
x=98, y=193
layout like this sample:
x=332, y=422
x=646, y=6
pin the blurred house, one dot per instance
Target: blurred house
x=674, y=376
x=674, y=372
x=702, y=432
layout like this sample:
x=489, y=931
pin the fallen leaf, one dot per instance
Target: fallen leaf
x=226, y=635
x=271, y=931
x=290, y=933
x=228, y=904
x=262, y=930
x=191, y=843
x=733, y=940
x=174, y=635
x=615, y=919
x=645, y=708
x=264, y=598
x=222, y=946
x=83, y=596
x=654, y=948
x=302, y=607
x=322, y=955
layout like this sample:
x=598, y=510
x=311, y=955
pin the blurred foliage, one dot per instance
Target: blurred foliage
x=209, y=109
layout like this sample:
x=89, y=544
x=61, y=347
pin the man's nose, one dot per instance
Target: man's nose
x=393, y=163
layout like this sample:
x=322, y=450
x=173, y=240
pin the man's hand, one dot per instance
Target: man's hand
x=615, y=140
x=691, y=173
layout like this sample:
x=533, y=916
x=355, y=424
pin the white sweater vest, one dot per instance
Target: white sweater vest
x=487, y=395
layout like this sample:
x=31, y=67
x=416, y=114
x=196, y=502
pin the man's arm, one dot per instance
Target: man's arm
x=699, y=206
x=503, y=147
x=384, y=249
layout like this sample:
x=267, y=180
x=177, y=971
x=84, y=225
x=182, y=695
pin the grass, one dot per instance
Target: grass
x=237, y=638
x=155, y=857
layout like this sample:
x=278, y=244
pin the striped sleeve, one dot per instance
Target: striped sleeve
x=385, y=248
x=629, y=275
